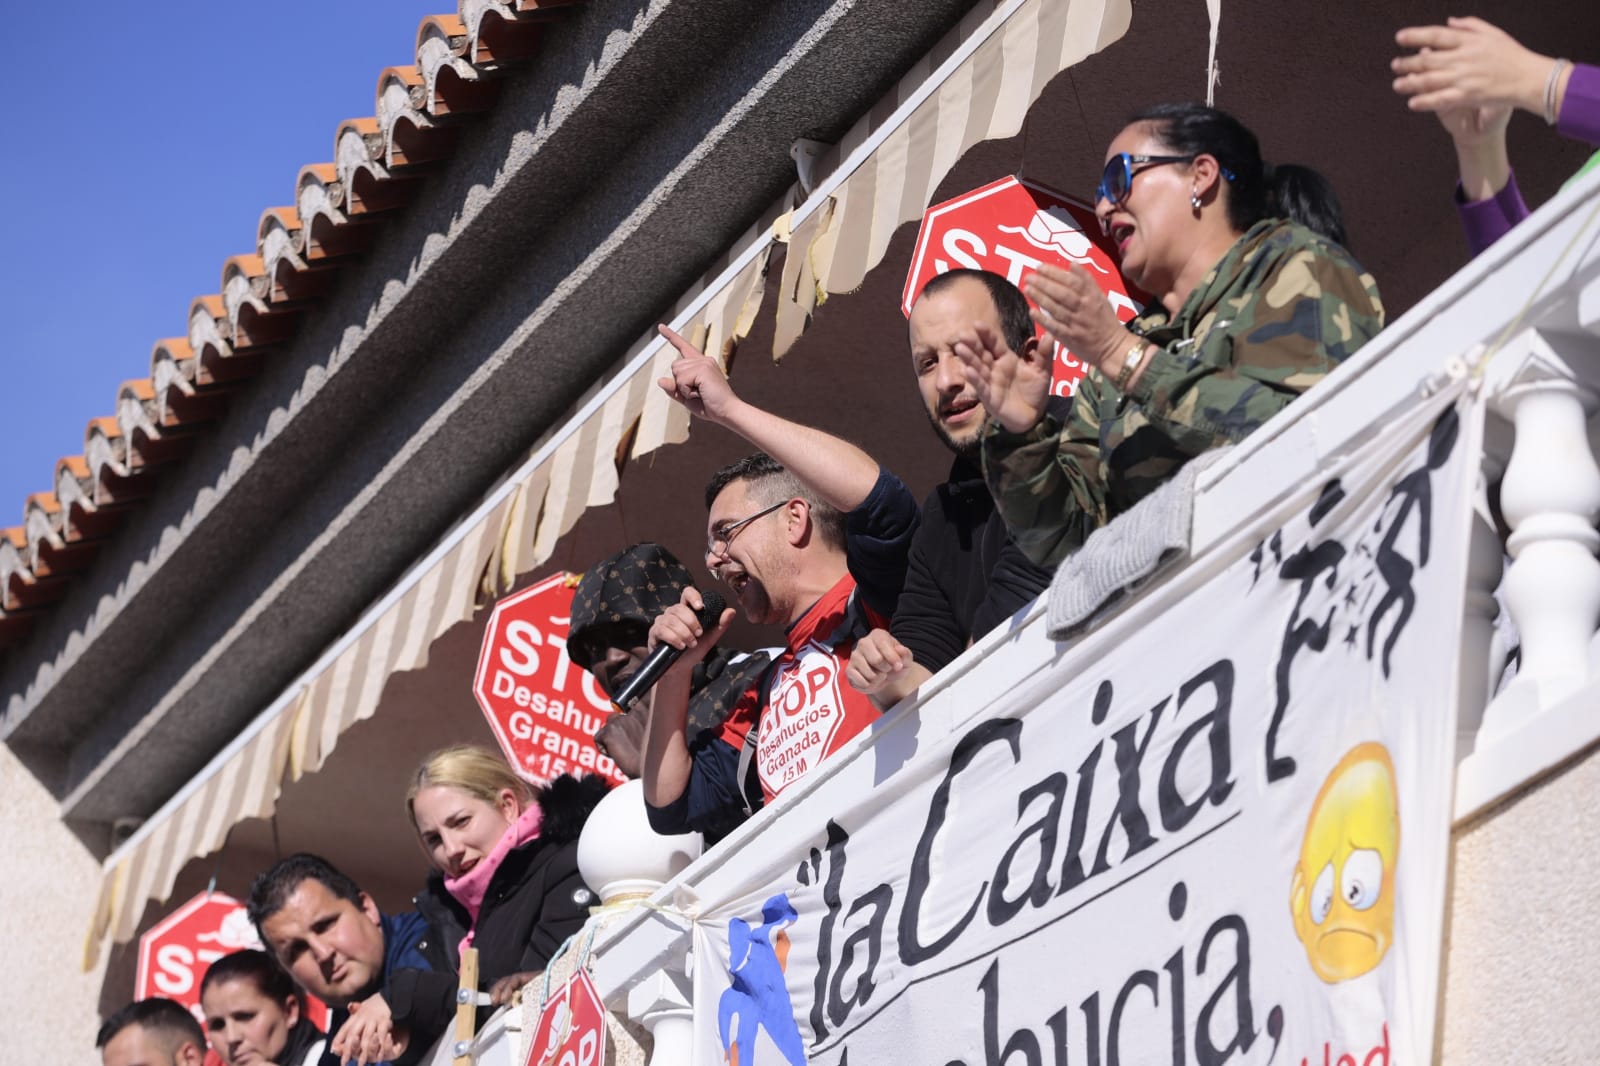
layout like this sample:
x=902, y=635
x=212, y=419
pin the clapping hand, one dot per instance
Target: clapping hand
x=1013, y=388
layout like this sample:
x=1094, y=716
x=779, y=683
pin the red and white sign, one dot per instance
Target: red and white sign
x=572, y=1027
x=544, y=710
x=804, y=711
x=178, y=950
x=1009, y=227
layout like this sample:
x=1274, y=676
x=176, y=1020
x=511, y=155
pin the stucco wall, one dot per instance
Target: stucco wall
x=1524, y=927
x=51, y=881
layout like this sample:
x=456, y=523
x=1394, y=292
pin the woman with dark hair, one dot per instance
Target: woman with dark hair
x=255, y=1015
x=1254, y=301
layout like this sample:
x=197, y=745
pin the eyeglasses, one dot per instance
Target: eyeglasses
x=1116, y=181
x=722, y=535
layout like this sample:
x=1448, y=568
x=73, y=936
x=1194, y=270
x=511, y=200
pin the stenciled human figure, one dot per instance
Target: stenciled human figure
x=367, y=966
x=757, y=997
x=612, y=608
x=505, y=874
x=809, y=534
x=966, y=574
x=1414, y=492
x=151, y=1032
x=1255, y=301
x=1473, y=76
x=254, y=1014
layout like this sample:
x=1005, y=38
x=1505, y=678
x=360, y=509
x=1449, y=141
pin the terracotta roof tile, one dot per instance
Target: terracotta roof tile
x=106, y=449
x=328, y=230
x=416, y=112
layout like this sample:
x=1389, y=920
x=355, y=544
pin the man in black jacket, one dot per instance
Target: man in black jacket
x=966, y=575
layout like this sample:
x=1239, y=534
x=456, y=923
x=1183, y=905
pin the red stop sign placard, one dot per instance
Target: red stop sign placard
x=542, y=707
x=572, y=1027
x=1009, y=227
x=178, y=950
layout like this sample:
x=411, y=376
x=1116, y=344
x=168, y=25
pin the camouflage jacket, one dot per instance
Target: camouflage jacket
x=1279, y=311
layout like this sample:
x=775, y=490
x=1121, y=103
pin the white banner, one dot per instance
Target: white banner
x=1215, y=831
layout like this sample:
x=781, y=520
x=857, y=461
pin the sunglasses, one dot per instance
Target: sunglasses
x=1116, y=181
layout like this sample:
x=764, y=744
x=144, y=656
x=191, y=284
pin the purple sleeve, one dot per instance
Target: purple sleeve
x=1580, y=108
x=1486, y=221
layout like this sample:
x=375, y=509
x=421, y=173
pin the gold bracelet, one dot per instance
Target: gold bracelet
x=1130, y=363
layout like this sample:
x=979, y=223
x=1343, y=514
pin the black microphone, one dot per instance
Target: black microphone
x=665, y=654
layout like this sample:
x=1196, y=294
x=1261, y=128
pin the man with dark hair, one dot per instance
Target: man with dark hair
x=612, y=608
x=810, y=534
x=966, y=573
x=389, y=1006
x=151, y=1032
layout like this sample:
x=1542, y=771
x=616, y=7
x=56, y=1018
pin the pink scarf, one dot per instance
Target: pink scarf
x=470, y=888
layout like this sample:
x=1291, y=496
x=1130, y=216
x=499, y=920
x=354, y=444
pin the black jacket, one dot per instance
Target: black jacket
x=535, y=901
x=965, y=576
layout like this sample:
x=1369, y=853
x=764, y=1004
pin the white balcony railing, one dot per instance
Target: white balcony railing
x=1524, y=319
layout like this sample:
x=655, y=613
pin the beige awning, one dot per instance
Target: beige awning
x=978, y=84
x=980, y=89
x=512, y=532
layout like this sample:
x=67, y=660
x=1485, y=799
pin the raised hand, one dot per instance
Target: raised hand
x=1012, y=388
x=697, y=381
x=1074, y=310
x=1468, y=63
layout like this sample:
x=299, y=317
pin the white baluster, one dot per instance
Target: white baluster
x=1551, y=498
x=664, y=1004
x=623, y=858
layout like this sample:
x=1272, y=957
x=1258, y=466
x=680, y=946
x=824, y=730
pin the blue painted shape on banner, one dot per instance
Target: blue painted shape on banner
x=757, y=997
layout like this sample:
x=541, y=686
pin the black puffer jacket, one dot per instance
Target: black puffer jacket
x=535, y=901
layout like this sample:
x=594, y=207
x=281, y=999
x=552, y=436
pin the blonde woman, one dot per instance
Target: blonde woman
x=505, y=862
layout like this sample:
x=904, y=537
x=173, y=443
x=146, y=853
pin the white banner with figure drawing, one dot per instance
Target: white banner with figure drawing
x=1214, y=831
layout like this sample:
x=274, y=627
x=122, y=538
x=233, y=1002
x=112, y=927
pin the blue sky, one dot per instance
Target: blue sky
x=143, y=142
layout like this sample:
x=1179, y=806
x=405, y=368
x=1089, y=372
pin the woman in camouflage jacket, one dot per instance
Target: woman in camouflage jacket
x=1254, y=301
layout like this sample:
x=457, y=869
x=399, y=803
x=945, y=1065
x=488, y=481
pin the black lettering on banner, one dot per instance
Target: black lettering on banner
x=1415, y=492
x=1129, y=754
x=1022, y=1040
x=1206, y=1051
x=912, y=949
x=1301, y=633
x=1026, y=1045
x=1072, y=874
x=1175, y=811
x=1139, y=979
x=835, y=858
x=869, y=936
x=1001, y=909
x=1177, y=900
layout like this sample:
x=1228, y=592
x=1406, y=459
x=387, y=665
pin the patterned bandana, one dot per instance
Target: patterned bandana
x=616, y=601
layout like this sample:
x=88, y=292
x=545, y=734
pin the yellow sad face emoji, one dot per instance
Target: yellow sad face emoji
x=1342, y=898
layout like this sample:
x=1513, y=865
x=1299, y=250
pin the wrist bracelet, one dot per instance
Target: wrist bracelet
x=1550, y=115
x=1130, y=363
